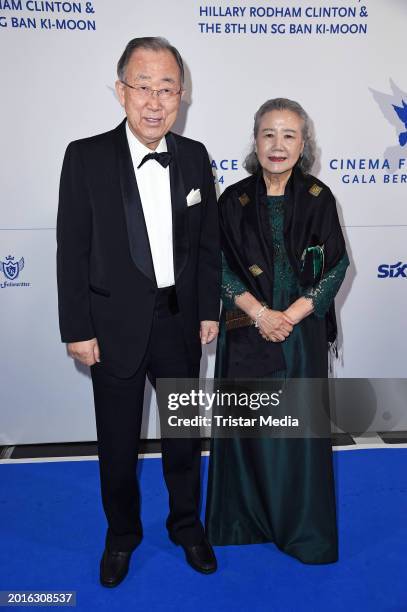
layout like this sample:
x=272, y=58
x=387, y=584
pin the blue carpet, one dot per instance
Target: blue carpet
x=52, y=532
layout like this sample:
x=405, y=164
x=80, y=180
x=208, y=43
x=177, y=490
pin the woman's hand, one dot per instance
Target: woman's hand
x=298, y=310
x=274, y=325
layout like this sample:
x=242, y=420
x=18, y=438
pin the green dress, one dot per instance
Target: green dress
x=279, y=490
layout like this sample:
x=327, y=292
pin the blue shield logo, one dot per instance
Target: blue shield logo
x=11, y=268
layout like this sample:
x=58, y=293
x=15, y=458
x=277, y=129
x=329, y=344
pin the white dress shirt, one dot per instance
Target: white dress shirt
x=153, y=183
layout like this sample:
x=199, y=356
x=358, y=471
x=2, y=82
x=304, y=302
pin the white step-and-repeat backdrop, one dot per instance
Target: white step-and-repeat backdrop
x=344, y=61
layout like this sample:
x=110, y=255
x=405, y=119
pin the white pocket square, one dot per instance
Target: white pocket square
x=194, y=197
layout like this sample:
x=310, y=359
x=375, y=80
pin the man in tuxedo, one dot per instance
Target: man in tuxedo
x=139, y=288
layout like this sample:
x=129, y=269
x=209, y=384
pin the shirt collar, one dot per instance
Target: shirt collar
x=138, y=150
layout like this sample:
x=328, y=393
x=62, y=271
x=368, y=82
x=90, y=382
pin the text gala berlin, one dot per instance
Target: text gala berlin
x=366, y=179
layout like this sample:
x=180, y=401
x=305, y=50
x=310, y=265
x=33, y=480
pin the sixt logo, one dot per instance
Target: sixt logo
x=397, y=270
x=11, y=270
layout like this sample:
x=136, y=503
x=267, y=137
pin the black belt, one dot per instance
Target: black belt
x=166, y=303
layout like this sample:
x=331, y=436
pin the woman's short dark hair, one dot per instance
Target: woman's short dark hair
x=251, y=163
x=153, y=43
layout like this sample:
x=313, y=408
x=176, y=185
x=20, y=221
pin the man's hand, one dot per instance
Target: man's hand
x=209, y=331
x=87, y=351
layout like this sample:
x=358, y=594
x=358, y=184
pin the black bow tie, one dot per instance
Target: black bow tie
x=163, y=158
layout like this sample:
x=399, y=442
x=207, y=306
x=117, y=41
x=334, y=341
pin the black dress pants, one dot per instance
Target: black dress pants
x=118, y=408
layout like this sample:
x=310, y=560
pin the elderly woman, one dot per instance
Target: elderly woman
x=284, y=260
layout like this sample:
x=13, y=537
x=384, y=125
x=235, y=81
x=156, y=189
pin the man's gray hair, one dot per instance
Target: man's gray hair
x=251, y=163
x=153, y=43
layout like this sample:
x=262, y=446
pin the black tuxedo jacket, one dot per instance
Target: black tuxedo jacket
x=106, y=282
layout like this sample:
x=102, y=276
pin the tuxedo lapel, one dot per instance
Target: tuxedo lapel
x=136, y=225
x=180, y=233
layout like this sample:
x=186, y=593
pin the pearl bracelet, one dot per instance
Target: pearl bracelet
x=259, y=315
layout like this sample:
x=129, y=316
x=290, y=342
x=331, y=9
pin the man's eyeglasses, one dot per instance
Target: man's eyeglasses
x=144, y=91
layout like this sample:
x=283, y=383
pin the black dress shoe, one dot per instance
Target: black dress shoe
x=114, y=566
x=200, y=556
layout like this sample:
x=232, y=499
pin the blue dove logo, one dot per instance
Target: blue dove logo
x=389, y=104
x=401, y=112
x=11, y=268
